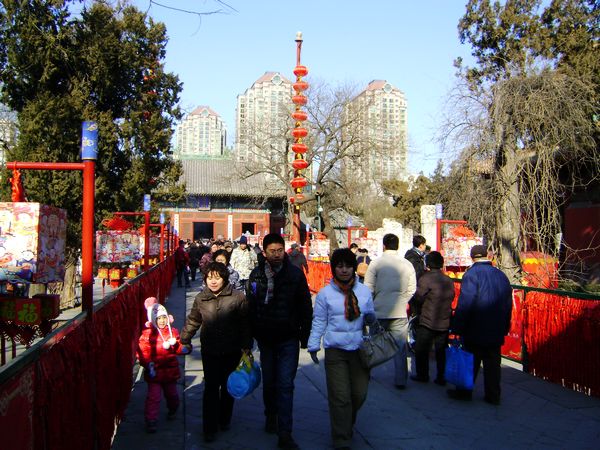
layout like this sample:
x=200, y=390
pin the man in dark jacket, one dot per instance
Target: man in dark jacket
x=281, y=317
x=297, y=258
x=482, y=319
x=416, y=255
x=195, y=253
x=433, y=303
x=182, y=261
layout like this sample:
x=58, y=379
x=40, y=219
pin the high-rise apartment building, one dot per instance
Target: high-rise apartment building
x=201, y=133
x=378, y=125
x=263, y=117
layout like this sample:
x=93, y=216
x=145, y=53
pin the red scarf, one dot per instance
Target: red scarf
x=351, y=309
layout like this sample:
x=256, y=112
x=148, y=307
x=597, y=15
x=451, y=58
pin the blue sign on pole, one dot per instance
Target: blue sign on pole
x=162, y=217
x=89, y=140
x=439, y=211
x=146, y=202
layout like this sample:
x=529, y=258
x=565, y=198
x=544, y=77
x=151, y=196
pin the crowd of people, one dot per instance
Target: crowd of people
x=262, y=295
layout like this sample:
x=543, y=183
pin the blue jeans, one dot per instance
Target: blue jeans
x=399, y=329
x=279, y=363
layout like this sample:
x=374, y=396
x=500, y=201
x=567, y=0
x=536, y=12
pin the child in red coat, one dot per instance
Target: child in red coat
x=157, y=349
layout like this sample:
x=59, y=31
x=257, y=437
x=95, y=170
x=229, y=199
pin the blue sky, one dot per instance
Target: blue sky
x=411, y=44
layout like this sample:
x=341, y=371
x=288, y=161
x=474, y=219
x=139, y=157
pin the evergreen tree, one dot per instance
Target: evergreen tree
x=106, y=64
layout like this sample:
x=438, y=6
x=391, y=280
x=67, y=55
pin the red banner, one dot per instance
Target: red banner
x=512, y=342
x=16, y=406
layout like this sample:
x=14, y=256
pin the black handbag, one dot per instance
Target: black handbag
x=378, y=346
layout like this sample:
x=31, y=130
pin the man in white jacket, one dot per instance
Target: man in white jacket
x=393, y=282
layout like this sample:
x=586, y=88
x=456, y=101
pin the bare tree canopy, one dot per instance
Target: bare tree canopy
x=524, y=119
x=333, y=142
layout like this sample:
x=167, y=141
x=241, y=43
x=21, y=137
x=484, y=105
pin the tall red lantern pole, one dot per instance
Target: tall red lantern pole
x=299, y=133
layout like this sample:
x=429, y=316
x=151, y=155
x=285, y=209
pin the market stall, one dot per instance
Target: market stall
x=32, y=250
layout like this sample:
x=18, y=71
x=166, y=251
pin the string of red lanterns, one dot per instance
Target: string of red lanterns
x=299, y=132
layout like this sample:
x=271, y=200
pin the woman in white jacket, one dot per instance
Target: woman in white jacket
x=338, y=315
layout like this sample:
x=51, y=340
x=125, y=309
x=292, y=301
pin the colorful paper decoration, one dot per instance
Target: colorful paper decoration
x=118, y=246
x=32, y=240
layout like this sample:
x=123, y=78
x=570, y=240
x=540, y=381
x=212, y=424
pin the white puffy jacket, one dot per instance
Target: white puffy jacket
x=330, y=323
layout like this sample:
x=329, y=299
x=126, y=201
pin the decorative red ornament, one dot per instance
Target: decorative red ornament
x=300, y=86
x=298, y=182
x=299, y=148
x=299, y=116
x=117, y=223
x=299, y=99
x=300, y=164
x=299, y=132
x=16, y=184
x=300, y=71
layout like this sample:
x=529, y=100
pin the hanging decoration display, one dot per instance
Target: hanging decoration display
x=32, y=248
x=299, y=132
x=32, y=241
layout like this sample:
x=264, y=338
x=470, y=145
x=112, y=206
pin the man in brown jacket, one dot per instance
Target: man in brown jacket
x=433, y=302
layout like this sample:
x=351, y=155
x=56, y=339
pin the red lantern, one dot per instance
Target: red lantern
x=300, y=71
x=299, y=99
x=292, y=200
x=299, y=148
x=299, y=132
x=298, y=182
x=299, y=197
x=300, y=164
x=300, y=86
x=299, y=115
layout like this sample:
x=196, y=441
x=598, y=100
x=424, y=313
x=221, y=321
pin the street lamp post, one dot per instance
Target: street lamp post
x=319, y=209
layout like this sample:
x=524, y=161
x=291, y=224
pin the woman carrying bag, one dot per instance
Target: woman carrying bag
x=222, y=312
x=341, y=309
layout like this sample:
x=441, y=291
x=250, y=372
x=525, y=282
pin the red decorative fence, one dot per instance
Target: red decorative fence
x=319, y=274
x=554, y=334
x=561, y=337
x=70, y=390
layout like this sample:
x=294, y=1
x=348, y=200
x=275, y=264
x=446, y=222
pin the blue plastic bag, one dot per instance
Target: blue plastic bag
x=245, y=378
x=459, y=367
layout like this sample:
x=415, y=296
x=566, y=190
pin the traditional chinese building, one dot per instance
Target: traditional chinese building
x=222, y=201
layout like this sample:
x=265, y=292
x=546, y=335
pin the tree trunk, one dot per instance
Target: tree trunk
x=508, y=217
x=329, y=231
x=66, y=289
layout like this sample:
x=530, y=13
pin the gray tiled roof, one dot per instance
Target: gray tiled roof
x=221, y=177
